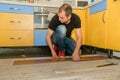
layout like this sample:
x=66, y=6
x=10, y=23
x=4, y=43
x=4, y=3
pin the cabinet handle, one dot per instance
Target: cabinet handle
x=12, y=21
x=103, y=17
x=12, y=38
x=15, y=21
x=14, y=8
x=19, y=38
x=115, y=0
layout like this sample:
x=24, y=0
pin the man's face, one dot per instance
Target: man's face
x=63, y=18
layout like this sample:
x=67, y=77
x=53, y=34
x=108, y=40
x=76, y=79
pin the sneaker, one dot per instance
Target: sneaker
x=55, y=48
x=61, y=53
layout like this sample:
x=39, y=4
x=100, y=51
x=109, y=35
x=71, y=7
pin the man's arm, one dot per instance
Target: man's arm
x=48, y=39
x=75, y=55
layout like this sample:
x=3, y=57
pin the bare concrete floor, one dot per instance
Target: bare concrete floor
x=83, y=70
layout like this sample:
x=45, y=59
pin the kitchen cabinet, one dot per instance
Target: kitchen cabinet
x=113, y=24
x=16, y=28
x=104, y=26
x=97, y=34
x=81, y=14
x=96, y=30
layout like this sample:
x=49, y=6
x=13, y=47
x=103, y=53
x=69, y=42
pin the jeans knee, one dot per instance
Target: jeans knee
x=61, y=29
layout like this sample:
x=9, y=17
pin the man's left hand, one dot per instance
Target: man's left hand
x=75, y=57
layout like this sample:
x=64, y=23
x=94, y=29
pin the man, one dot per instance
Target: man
x=59, y=34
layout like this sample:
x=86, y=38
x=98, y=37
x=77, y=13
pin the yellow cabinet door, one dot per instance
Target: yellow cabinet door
x=81, y=14
x=16, y=38
x=16, y=21
x=113, y=25
x=97, y=29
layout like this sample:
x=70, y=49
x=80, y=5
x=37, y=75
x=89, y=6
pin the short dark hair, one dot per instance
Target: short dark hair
x=67, y=8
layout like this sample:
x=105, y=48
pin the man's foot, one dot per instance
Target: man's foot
x=61, y=54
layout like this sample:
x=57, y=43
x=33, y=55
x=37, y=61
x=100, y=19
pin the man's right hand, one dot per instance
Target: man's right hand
x=54, y=55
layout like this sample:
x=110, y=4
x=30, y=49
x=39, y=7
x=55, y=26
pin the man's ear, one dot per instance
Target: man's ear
x=69, y=16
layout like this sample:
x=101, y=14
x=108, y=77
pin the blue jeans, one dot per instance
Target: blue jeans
x=64, y=43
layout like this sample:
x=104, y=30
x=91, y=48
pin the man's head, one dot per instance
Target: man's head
x=64, y=13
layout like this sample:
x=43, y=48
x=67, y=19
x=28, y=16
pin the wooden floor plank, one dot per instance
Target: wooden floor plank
x=36, y=61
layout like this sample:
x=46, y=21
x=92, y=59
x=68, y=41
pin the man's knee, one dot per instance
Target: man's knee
x=61, y=29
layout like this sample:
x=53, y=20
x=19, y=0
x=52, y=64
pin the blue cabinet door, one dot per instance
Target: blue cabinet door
x=15, y=8
x=98, y=7
x=40, y=38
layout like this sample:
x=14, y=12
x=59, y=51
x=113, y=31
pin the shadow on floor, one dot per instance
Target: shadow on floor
x=27, y=52
x=24, y=52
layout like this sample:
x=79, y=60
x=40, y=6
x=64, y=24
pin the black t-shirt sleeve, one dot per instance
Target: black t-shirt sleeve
x=77, y=22
x=53, y=23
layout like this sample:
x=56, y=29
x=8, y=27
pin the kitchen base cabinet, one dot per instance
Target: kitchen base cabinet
x=81, y=14
x=96, y=31
x=16, y=25
x=113, y=24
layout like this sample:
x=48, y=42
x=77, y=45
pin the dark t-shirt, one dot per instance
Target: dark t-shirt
x=74, y=23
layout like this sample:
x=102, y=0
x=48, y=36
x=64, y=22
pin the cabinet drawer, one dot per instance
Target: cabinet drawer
x=16, y=38
x=14, y=8
x=16, y=21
